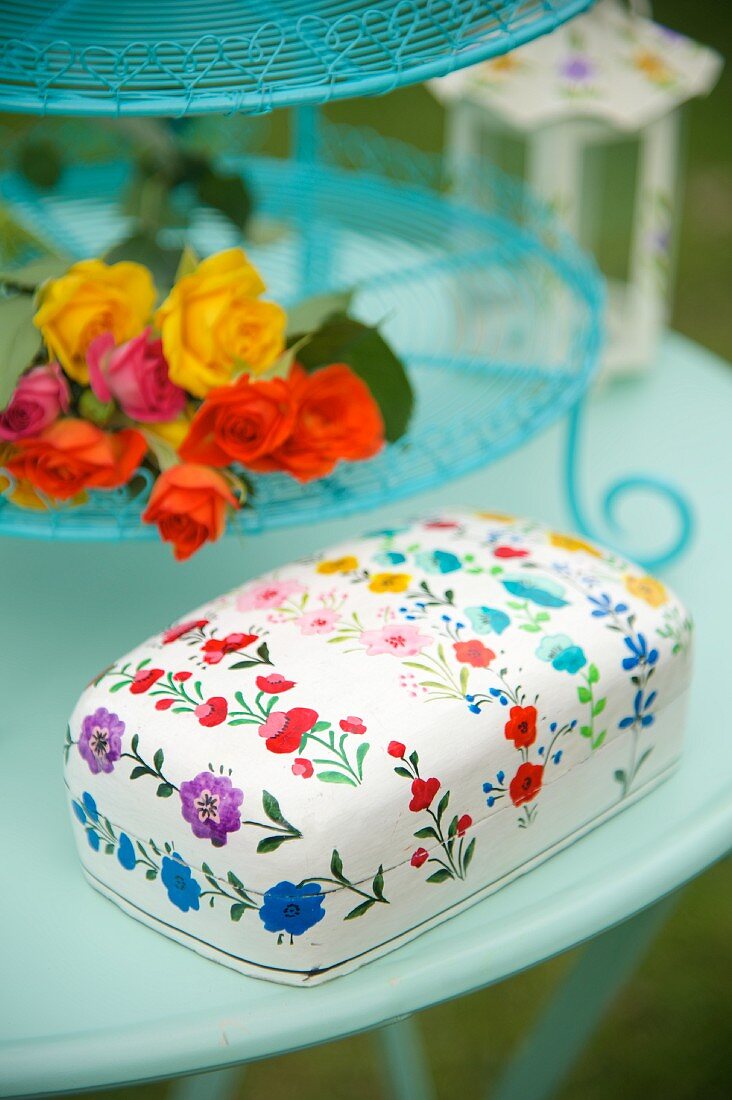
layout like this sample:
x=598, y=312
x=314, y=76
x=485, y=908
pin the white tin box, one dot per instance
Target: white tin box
x=322, y=764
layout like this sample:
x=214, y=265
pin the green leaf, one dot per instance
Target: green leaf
x=426, y=831
x=363, y=748
x=584, y=694
x=345, y=340
x=271, y=844
x=272, y=809
x=35, y=273
x=378, y=884
x=586, y=731
x=40, y=162
x=442, y=806
x=151, y=873
x=469, y=853
x=283, y=363
x=336, y=864
x=135, y=742
x=360, y=909
x=236, y=882
x=599, y=739
x=142, y=248
x=263, y=651
x=442, y=875
x=109, y=848
x=320, y=726
x=598, y=707
x=118, y=687
x=164, y=790
x=312, y=313
x=159, y=759
x=227, y=193
x=404, y=772
x=206, y=869
x=243, y=664
x=19, y=341
x=187, y=263
x=593, y=674
x=138, y=772
x=238, y=910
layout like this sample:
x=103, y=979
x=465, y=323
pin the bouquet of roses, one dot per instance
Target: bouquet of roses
x=99, y=377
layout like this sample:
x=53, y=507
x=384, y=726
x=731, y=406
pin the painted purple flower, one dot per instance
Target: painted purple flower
x=100, y=740
x=210, y=805
x=577, y=68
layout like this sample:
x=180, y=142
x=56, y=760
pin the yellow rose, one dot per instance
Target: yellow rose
x=172, y=432
x=648, y=589
x=569, y=542
x=92, y=298
x=337, y=565
x=213, y=321
x=389, y=582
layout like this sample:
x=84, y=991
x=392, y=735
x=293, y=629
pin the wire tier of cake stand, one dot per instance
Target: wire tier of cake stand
x=494, y=309
x=172, y=57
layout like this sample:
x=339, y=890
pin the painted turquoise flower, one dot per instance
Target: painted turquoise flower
x=390, y=557
x=487, y=620
x=560, y=651
x=183, y=890
x=438, y=561
x=539, y=590
x=292, y=909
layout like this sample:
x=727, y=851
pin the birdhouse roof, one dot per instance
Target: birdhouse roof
x=609, y=64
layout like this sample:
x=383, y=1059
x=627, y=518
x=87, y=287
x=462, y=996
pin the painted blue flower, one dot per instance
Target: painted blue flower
x=539, y=590
x=386, y=532
x=641, y=715
x=390, y=557
x=183, y=890
x=93, y=839
x=438, y=561
x=126, y=852
x=603, y=606
x=640, y=654
x=79, y=812
x=485, y=620
x=292, y=909
x=560, y=651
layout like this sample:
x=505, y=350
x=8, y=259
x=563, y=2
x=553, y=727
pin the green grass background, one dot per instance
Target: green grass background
x=669, y=1034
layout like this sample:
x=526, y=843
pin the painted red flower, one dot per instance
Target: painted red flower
x=274, y=684
x=164, y=704
x=302, y=767
x=441, y=525
x=521, y=726
x=351, y=724
x=419, y=857
x=464, y=824
x=509, y=552
x=213, y=712
x=215, y=649
x=396, y=749
x=284, y=729
x=423, y=791
x=473, y=653
x=181, y=677
x=526, y=783
x=176, y=632
x=144, y=680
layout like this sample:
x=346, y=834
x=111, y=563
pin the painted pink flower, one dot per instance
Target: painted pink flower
x=283, y=730
x=351, y=724
x=399, y=639
x=181, y=677
x=144, y=679
x=302, y=767
x=274, y=684
x=441, y=525
x=135, y=374
x=509, y=552
x=165, y=703
x=267, y=594
x=318, y=622
x=40, y=396
x=213, y=712
x=215, y=649
x=173, y=633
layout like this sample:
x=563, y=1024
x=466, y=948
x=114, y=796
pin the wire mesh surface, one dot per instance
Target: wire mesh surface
x=493, y=307
x=170, y=57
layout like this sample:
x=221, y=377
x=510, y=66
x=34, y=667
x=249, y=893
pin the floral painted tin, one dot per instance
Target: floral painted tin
x=322, y=764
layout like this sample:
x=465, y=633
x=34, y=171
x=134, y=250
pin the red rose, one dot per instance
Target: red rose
x=213, y=712
x=526, y=783
x=215, y=649
x=419, y=857
x=274, y=684
x=181, y=677
x=423, y=791
x=284, y=729
x=351, y=724
x=176, y=632
x=509, y=552
x=144, y=679
x=473, y=653
x=521, y=726
x=302, y=767
x=396, y=749
x=164, y=704
x=464, y=824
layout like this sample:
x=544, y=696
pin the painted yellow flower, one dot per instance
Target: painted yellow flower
x=648, y=589
x=389, y=582
x=499, y=517
x=337, y=565
x=653, y=66
x=92, y=298
x=570, y=542
x=213, y=322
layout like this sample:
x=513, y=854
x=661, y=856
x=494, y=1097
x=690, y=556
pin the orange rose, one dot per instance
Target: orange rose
x=188, y=503
x=71, y=455
x=240, y=422
x=336, y=418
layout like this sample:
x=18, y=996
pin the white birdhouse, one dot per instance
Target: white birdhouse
x=590, y=116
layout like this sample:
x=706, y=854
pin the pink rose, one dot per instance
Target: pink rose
x=135, y=374
x=39, y=397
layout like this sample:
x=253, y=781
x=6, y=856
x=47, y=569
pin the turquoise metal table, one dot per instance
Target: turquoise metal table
x=90, y=998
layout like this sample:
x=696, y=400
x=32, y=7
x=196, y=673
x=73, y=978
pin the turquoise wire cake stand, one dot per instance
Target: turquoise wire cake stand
x=174, y=57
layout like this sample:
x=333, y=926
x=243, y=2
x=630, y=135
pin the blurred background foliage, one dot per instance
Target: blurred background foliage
x=669, y=1035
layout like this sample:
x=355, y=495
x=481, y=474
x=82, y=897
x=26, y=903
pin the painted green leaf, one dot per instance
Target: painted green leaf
x=206, y=869
x=598, y=707
x=243, y=664
x=599, y=739
x=378, y=884
x=138, y=772
x=452, y=827
x=426, y=831
x=360, y=909
x=151, y=873
x=442, y=875
x=584, y=694
x=158, y=759
x=19, y=341
x=593, y=674
x=336, y=865
x=235, y=881
x=118, y=686
x=238, y=910
x=271, y=844
x=272, y=808
x=363, y=748
x=164, y=790
x=586, y=731
x=263, y=651
x=469, y=853
x=443, y=805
